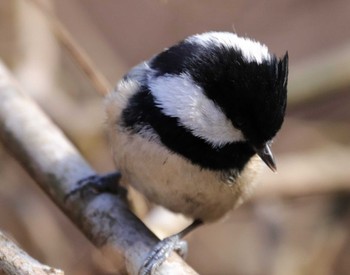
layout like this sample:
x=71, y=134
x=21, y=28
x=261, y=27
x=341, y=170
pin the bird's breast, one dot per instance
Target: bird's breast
x=170, y=180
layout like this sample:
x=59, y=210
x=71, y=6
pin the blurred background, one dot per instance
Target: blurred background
x=298, y=220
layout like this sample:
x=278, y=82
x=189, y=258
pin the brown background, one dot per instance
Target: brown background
x=298, y=221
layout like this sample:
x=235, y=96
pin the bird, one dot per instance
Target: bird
x=191, y=127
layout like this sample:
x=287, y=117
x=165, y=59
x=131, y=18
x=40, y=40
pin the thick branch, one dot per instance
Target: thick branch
x=56, y=166
x=14, y=261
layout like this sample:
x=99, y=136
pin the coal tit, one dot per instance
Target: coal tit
x=190, y=126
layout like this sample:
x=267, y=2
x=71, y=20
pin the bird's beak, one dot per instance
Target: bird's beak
x=266, y=155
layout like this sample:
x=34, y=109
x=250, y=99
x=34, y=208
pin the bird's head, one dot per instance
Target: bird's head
x=225, y=90
x=247, y=83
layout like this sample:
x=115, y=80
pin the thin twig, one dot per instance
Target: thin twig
x=97, y=79
x=55, y=164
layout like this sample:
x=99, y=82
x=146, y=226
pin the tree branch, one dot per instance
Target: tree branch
x=55, y=164
x=14, y=261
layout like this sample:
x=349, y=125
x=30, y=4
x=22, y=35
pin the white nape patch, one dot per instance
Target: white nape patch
x=252, y=51
x=178, y=96
x=118, y=99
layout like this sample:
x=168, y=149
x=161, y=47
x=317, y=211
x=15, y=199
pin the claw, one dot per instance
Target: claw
x=161, y=252
x=163, y=249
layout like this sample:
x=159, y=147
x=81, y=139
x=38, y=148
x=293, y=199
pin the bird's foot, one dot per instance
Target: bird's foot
x=108, y=183
x=163, y=249
x=161, y=252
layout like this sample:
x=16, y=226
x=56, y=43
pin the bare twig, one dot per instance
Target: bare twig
x=319, y=76
x=308, y=173
x=55, y=164
x=98, y=80
x=14, y=261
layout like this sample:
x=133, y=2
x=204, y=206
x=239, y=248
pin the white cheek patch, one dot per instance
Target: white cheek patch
x=251, y=50
x=178, y=96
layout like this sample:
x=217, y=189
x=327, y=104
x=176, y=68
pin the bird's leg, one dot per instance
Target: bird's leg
x=162, y=250
x=98, y=184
